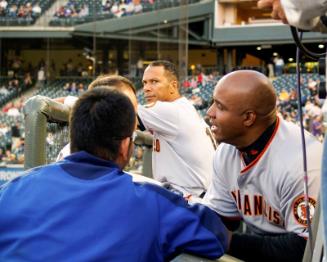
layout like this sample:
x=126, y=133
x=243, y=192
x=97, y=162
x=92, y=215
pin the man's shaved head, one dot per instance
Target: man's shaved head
x=244, y=106
x=251, y=89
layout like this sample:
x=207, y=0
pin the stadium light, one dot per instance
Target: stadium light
x=321, y=46
x=259, y=48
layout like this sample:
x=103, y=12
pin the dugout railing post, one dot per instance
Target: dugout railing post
x=38, y=111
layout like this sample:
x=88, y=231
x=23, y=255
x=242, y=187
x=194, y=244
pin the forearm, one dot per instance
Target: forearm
x=283, y=247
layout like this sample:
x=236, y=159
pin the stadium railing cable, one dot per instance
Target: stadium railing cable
x=297, y=36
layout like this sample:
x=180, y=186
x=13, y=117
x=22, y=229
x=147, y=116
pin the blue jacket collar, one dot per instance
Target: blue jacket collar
x=85, y=157
x=86, y=166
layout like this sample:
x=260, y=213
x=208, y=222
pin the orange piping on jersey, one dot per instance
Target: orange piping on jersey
x=264, y=149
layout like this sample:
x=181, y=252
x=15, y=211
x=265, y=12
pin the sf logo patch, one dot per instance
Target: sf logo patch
x=300, y=210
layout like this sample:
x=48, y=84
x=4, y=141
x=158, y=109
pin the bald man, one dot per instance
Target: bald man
x=258, y=170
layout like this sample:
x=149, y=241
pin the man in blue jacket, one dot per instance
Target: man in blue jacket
x=85, y=208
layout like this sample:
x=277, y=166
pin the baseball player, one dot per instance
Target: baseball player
x=182, y=148
x=258, y=170
x=109, y=81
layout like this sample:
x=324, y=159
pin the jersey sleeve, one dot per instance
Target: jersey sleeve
x=63, y=152
x=70, y=101
x=218, y=196
x=162, y=118
x=193, y=229
x=293, y=205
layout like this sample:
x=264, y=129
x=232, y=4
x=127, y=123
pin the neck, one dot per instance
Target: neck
x=174, y=97
x=256, y=132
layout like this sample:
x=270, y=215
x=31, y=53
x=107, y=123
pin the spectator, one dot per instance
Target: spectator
x=107, y=5
x=317, y=128
x=36, y=10
x=139, y=67
x=271, y=71
x=138, y=8
x=4, y=91
x=9, y=158
x=28, y=81
x=84, y=11
x=41, y=77
x=12, y=11
x=279, y=65
x=3, y=4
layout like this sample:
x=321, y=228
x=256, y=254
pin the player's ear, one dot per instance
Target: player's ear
x=123, y=153
x=173, y=86
x=249, y=118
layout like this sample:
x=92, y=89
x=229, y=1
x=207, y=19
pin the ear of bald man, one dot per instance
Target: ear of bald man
x=249, y=118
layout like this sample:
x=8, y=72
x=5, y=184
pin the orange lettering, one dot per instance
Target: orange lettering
x=257, y=205
x=234, y=196
x=156, y=145
x=247, y=206
x=276, y=219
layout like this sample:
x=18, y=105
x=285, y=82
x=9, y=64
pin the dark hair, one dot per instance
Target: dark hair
x=116, y=81
x=100, y=119
x=168, y=66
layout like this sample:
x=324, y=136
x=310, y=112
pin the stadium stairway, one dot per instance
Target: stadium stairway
x=44, y=18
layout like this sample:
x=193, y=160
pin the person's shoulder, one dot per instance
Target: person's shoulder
x=225, y=150
x=288, y=144
x=27, y=177
x=291, y=132
x=157, y=191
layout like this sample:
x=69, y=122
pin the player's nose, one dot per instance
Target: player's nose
x=146, y=87
x=210, y=111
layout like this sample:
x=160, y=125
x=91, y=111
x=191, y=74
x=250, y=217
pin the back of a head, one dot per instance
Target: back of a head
x=168, y=66
x=100, y=120
x=114, y=81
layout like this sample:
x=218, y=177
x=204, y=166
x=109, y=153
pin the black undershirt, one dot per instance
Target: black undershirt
x=251, y=152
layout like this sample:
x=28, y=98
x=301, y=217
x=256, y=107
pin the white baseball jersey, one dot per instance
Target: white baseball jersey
x=268, y=193
x=69, y=101
x=63, y=152
x=182, y=150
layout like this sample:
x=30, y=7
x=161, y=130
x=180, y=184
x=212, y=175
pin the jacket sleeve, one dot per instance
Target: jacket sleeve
x=194, y=229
